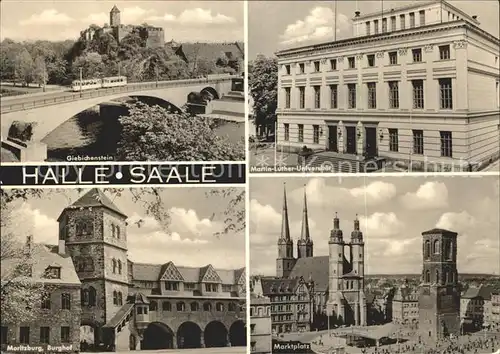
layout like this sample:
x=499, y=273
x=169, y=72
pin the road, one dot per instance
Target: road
x=494, y=167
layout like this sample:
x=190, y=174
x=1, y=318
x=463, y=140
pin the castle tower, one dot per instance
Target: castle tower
x=335, y=305
x=93, y=232
x=305, y=244
x=439, y=296
x=285, y=261
x=358, y=268
x=114, y=17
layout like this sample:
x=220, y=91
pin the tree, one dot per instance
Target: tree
x=151, y=133
x=263, y=83
x=40, y=75
x=91, y=64
x=24, y=67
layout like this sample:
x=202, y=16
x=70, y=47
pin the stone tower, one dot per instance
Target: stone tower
x=358, y=270
x=114, y=17
x=92, y=231
x=335, y=304
x=285, y=261
x=305, y=244
x=439, y=296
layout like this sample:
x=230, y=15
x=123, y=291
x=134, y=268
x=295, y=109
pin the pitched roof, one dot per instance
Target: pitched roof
x=45, y=256
x=273, y=286
x=94, y=198
x=115, y=9
x=120, y=315
x=315, y=268
x=153, y=272
x=483, y=292
x=210, y=51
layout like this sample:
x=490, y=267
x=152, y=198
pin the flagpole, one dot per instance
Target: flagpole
x=335, y=20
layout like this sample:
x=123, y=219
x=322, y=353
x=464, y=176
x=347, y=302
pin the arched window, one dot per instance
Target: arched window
x=117, y=232
x=219, y=306
x=231, y=307
x=437, y=280
x=450, y=250
x=114, y=265
x=115, y=298
x=119, y=267
x=120, y=298
x=153, y=306
x=207, y=306
x=181, y=306
x=80, y=264
x=92, y=296
x=194, y=306
x=166, y=306
x=427, y=276
x=113, y=231
x=436, y=247
x=427, y=249
x=85, y=296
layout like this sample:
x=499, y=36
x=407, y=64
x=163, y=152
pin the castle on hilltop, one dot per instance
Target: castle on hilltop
x=153, y=36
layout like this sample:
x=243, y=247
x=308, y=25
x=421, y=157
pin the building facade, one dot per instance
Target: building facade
x=129, y=306
x=476, y=308
x=415, y=84
x=260, y=325
x=439, y=296
x=495, y=309
x=57, y=315
x=405, y=306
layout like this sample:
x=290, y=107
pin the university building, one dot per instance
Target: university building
x=413, y=84
x=127, y=305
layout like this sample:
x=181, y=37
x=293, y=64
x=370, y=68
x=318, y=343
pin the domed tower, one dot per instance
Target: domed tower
x=285, y=261
x=358, y=267
x=114, y=17
x=336, y=270
x=305, y=244
x=439, y=296
x=93, y=232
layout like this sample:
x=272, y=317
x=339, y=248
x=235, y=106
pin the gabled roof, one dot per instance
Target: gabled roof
x=210, y=51
x=170, y=272
x=94, y=198
x=315, y=268
x=209, y=275
x=45, y=256
x=483, y=292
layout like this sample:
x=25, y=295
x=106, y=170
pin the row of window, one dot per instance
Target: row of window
x=194, y=306
x=445, y=95
x=280, y=318
x=89, y=296
x=449, y=277
x=436, y=248
x=418, y=139
x=24, y=335
x=402, y=23
x=117, y=266
x=46, y=302
x=261, y=311
x=209, y=287
x=444, y=54
x=285, y=298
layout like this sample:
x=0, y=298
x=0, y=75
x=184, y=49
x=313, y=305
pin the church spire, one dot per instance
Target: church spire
x=285, y=227
x=304, y=235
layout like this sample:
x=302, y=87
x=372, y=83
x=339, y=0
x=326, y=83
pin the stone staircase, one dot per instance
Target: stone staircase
x=339, y=163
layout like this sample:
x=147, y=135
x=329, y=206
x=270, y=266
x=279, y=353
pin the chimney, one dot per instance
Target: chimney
x=357, y=13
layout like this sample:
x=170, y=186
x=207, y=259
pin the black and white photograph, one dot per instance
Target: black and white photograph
x=122, y=81
x=375, y=264
x=373, y=86
x=96, y=270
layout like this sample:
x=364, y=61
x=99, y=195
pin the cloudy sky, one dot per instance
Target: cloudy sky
x=275, y=25
x=393, y=212
x=190, y=240
x=181, y=20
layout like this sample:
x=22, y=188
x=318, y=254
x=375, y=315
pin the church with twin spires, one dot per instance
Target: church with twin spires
x=335, y=282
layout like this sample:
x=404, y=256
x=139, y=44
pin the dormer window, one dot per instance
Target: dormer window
x=210, y=287
x=52, y=273
x=172, y=285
